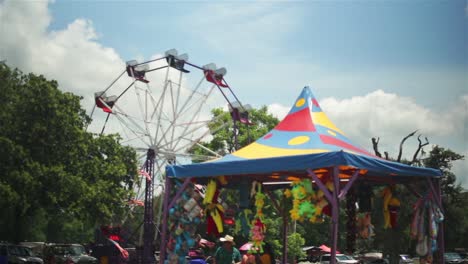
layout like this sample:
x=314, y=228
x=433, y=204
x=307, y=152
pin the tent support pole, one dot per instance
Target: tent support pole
x=345, y=190
x=320, y=184
x=179, y=192
x=333, y=200
x=273, y=200
x=285, y=233
x=441, y=237
x=418, y=195
x=335, y=214
x=162, y=247
x=435, y=193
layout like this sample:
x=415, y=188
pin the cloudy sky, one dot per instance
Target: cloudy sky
x=378, y=68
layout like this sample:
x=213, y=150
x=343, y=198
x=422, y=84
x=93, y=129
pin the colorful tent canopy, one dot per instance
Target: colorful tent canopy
x=304, y=139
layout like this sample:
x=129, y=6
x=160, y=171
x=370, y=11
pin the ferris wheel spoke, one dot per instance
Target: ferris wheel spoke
x=174, y=111
x=140, y=134
x=143, y=112
x=163, y=139
x=156, y=107
x=189, y=98
x=160, y=109
x=195, y=114
x=188, y=155
x=121, y=114
x=188, y=132
x=132, y=139
x=196, y=142
x=206, y=133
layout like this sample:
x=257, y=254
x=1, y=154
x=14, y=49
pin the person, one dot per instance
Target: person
x=227, y=253
x=249, y=258
x=267, y=257
x=196, y=256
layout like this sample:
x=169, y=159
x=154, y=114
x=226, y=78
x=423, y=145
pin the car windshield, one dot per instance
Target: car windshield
x=75, y=250
x=344, y=257
x=21, y=251
x=452, y=256
x=405, y=257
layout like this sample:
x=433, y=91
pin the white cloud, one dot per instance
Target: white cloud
x=73, y=56
x=277, y=110
x=81, y=64
x=392, y=117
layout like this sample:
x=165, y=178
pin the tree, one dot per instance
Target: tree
x=454, y=199
x=223, y=138
x=295, y=244
x=55, y=176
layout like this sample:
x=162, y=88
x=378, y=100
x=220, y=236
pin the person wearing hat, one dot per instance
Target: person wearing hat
x=227, y=253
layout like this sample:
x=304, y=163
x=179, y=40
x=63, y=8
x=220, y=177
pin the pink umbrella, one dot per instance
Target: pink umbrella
x=205, y=243
x=326, y=249
x=246, y=247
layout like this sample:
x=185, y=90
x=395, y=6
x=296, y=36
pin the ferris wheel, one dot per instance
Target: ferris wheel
x=162, y=107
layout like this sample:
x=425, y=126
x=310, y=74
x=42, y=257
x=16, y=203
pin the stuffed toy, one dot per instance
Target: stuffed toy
x=364, y=225
x=391, y=206
x=257, y=235
x=213, y=210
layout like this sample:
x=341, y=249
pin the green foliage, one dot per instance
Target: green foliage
x=295, y=244
x=454, y=198
x=56, y=178
x=223, y=137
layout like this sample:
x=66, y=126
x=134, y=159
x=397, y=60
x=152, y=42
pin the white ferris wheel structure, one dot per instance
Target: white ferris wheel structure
x=162, y=108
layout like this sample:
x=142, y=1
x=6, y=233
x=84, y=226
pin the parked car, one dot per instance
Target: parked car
x=405, y=259
x=36, y=247
x=372, y=258
x=340, y=259
x=16, y=254
x=375, y=261
x=452, y=257
x=66, y=254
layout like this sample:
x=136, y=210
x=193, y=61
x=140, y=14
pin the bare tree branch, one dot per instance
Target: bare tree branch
x=386, y=155
x=402, y=142
x=375, y=143
x=420, y=146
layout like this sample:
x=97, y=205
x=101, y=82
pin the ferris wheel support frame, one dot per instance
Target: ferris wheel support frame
x=212, y=75
x=148, y=226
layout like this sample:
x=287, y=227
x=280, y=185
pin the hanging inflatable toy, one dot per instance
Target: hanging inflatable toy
x=302, y=193
x=214, y=210
x=327, y=208
x=424, y=225
x=391, y=207
x=258, y=229
x=257, y=235
x=182, y=222
x=322, y=206
x=416, y=218
x=306, y=203
x=422, y=244
x=364, y=225
x=259, y=202
x=243, y=222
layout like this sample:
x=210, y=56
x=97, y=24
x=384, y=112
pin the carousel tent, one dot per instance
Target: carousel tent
x=306, y=144
x=304, y=139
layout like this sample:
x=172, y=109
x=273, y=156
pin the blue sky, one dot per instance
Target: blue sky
x=378, y=68
x=346, y=37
